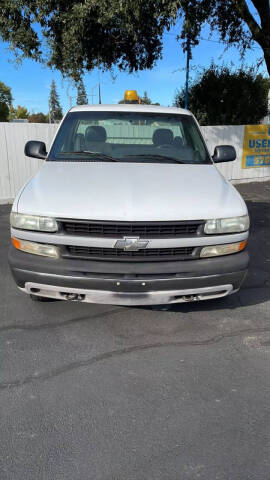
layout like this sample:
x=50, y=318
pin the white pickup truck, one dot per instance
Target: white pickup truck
x=130, y=209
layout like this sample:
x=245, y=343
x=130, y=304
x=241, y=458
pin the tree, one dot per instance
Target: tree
x=56, y=113
x=5, y=102
x=83, y=35
x=4, y=112
x=145, y=99
x=22, y=112
x=82, y=96
x=237, y=22
x=125, y=34
x=19, y=112
x=38, y=118
x=220, y=96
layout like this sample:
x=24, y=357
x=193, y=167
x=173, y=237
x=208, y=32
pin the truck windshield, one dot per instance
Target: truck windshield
x=129, y=137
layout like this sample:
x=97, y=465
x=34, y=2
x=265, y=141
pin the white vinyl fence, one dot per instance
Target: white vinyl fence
x=16, y=169
x=233, y=135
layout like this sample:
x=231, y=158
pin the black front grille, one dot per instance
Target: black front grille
x=183, y=253
x=120, y=229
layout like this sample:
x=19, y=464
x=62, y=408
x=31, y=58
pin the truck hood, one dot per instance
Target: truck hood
x=129, y=192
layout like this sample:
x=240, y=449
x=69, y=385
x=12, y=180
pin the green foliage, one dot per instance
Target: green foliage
x=4, y=112
x=5, y=94
x=22, y=112
x=220, y=96
x=12, y=113
x=5, y=102
x=38, y=118
x=56, y=113
x=74, y=36
x=232, y=20
x=82, y=96
x=84, y=35
x=145, y=99
x=19, y=112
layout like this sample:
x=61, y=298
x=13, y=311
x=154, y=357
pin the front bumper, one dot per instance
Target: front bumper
x=123, y=283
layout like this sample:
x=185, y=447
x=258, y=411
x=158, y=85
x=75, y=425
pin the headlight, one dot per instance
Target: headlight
x=36, y=248
x=227, y=225
x=218, y=250
x=33, y=222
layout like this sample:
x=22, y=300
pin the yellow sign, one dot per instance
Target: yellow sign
x=256, y=146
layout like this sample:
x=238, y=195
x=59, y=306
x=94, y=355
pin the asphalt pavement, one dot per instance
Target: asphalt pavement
x=151, y=393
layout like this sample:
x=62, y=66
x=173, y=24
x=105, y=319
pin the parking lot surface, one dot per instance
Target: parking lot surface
x=115, y=393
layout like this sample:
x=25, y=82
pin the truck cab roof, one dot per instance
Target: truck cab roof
x=141, y=108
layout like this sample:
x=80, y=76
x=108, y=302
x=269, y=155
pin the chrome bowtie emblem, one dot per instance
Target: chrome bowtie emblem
x=131, y=244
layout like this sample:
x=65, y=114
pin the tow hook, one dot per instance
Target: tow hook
x=190, y=298
x=75, y=297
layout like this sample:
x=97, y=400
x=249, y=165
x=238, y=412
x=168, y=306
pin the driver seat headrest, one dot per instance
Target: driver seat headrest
x=162, y=136
x=95, y=133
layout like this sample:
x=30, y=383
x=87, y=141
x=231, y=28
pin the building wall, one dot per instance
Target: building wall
x=16, y=168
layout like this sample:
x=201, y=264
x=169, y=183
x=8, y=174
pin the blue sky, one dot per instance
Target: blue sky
x=30, y=82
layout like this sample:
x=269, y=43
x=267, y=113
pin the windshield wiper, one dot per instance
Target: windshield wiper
x=99, y=155
x=157, y=157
